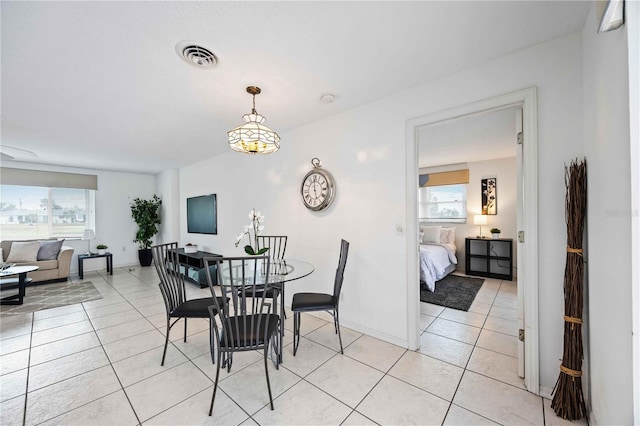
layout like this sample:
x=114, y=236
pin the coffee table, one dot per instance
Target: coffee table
x=21, y=281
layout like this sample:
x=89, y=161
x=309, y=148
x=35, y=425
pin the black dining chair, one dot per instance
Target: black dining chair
x=250, y=322
x=167, y=263
x=277, y=245
x=313, y=302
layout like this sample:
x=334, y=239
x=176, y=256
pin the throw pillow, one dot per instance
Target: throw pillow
x=23, y=251
x=431, y=234
x=448, y=235
x=49, y=250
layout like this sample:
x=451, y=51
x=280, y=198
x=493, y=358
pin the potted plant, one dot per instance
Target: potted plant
x=256, y=226
x=190, y=248
x=102, y=248
x=146, y=214
x=495, y=233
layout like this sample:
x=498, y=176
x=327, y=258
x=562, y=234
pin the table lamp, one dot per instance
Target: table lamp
x=88, y=235
x=480, y=219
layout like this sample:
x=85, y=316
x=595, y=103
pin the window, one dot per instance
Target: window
x=35, y=212
x=443, y=203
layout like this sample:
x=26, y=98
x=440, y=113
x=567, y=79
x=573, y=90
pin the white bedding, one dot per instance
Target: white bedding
x=435, y=262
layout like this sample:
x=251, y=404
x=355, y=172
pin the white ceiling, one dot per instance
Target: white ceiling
x=99, y=85
x=478, y=137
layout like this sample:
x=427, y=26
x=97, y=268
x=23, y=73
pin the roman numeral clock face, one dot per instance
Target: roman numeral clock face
x=318, y=189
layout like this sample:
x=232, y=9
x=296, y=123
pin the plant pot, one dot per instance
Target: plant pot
x=495, y=236
x=191, y=249
x=102, y=251
x=145, y=257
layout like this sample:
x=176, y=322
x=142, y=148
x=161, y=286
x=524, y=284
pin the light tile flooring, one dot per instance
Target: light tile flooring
x=99, y=363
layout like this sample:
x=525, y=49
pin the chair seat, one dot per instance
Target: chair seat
x=250, y=330
x=195, y=308
x=312, y=302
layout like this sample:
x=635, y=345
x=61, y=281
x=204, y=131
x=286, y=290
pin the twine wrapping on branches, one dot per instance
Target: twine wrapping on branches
x=568, y=399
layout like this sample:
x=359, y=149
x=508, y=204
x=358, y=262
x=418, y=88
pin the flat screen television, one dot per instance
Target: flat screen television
x=202, y=215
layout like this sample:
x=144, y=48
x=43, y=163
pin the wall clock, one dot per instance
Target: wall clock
x=318, y=188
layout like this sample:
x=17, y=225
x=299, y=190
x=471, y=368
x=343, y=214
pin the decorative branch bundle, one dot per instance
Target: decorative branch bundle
x=568, y=400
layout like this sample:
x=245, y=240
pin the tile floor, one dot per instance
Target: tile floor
x=98, y=362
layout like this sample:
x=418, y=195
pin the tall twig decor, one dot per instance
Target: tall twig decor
x=568, y=399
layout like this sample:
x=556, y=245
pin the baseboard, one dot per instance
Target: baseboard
x=394, y=340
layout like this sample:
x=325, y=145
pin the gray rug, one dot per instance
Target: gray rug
x=47, y=296
x=453, y=291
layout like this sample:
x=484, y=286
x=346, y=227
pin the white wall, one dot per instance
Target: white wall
x=364, y=149
x=504, y=169
x=168, y=188
x=606, y=136
x=114, y=225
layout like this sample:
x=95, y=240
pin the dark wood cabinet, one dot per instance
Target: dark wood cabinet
x=492, y=258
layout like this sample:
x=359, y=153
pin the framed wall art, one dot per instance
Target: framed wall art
x=489, y=196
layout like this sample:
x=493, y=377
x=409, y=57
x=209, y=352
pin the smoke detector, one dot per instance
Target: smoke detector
x=195, y=54
x=327, y=98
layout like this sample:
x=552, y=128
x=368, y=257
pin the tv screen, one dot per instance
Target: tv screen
x=202, y=215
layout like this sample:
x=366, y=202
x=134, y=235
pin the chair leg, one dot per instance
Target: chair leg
x=213, y=358
x=339, y=335
x=266, y=373
x=215, y=384
x=185, y=330
x=296, y=332
x=166, y=341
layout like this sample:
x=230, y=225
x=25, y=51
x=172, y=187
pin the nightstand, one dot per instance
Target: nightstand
x=492, y=258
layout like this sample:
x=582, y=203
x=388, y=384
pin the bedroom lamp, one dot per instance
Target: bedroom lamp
x=253, y=137
x=480, y=219
x=88, y=235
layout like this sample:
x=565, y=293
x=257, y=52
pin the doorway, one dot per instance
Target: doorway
x=527, y=228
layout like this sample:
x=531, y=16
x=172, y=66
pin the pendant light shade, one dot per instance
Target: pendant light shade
x=253, y=137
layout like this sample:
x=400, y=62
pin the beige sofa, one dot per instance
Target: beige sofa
x=50, y=270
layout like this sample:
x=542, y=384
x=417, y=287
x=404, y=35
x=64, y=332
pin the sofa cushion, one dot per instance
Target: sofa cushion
x=23, y=252
x=49, y=250
x=44, y=265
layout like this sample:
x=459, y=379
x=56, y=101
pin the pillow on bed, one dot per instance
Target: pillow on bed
x=431, y=234
x=448, y=235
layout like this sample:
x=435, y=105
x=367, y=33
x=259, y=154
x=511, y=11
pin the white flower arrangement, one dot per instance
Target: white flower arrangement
x=251, y=231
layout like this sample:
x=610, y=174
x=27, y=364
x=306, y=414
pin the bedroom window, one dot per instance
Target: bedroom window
x=443, y=203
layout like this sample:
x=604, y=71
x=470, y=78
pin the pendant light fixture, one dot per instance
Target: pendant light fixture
x=253, y=137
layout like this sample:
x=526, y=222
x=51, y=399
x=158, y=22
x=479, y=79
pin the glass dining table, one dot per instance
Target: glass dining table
x=280, y=272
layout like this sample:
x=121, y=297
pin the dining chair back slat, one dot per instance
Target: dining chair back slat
x=165, y=258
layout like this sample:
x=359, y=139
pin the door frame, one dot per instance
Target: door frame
x=528, y=276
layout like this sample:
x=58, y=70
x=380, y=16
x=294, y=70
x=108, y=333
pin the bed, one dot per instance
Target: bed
x=437, y=254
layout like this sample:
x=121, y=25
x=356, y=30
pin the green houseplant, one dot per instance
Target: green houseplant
x=102, y=248
x=146, y=214
x=495, y=232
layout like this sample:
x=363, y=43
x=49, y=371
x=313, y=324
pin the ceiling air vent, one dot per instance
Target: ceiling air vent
x=196, y=55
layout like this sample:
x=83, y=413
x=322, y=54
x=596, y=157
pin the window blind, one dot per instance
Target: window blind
x=25, y=177
x=453, y=177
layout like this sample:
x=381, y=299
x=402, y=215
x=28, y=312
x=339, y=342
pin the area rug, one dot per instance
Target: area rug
x=47, y=296
x=453, y=291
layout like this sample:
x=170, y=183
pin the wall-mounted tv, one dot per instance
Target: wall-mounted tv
x=202, y=215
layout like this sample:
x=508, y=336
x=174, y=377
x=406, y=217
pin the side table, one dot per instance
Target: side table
x=83, y=257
